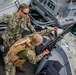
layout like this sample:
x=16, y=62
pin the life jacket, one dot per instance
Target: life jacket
x=20, y=45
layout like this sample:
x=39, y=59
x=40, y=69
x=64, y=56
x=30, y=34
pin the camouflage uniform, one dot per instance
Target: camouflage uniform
x=20, y=49
x=12, y=33
x=14, y=28
x=29, y=54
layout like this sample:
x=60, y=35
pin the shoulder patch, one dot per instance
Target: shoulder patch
x=29, y=19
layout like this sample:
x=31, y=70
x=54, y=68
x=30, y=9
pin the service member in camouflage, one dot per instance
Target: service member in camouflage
x=23, y=49
x=16, y=23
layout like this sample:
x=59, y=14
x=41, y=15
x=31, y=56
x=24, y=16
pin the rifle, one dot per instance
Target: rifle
x=51, y=44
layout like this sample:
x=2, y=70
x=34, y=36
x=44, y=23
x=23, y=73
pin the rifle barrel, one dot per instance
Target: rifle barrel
x=52, y=43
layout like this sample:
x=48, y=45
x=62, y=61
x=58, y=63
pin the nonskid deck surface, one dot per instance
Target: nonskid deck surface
x=30, y=69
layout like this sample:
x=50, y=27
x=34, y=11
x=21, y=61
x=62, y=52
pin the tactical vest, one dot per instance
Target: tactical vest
x=20, y=45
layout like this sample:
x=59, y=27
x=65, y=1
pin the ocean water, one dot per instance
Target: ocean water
x=73, y=31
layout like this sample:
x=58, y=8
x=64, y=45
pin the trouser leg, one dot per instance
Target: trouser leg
x=9, y=68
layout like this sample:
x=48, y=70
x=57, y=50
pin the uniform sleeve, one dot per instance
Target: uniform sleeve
x=29, y=26
x=44, y=32
x=4, y=18
x=31, y=56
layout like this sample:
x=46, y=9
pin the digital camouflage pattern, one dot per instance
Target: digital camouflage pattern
x=25, y=50
x=14, y=29
x=25, y=54
x=12, y=33
x=10, y=69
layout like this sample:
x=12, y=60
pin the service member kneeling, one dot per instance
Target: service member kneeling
x=24, y=49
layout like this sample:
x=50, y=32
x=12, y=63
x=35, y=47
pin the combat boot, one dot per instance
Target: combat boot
x=23, y=70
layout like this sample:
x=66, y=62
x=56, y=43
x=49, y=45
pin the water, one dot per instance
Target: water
x=73, y=31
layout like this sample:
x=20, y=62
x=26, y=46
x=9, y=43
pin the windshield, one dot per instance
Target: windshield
x=73, y=31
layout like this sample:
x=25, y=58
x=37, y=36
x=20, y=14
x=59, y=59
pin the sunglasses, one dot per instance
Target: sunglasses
x=24, y=12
